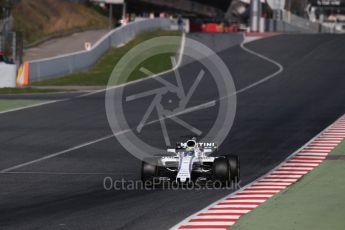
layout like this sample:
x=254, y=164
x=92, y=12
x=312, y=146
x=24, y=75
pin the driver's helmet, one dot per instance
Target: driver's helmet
x=189, y=151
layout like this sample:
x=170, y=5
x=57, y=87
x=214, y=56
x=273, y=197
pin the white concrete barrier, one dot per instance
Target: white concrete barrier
x=7, y=75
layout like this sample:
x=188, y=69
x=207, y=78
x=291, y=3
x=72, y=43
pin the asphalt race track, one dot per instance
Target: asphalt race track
x=273, y=120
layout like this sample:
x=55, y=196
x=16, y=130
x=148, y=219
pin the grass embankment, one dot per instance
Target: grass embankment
x=100, y=73
x=7, y=105
x=26, y=90
x=38, y=19
x=315, y=202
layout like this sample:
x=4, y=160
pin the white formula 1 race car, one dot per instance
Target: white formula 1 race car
x=190, y=161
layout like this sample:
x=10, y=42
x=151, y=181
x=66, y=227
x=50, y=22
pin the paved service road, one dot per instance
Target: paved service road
x=64, y=45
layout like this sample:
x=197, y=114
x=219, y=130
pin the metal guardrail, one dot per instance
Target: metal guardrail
x=49, y=68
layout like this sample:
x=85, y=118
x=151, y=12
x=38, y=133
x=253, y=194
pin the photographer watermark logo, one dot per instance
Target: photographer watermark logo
x=196, y=97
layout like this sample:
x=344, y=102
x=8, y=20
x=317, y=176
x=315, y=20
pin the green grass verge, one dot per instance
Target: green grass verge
x=101, y=72
x=26, y=90
x=315, y=202
x=6, y=105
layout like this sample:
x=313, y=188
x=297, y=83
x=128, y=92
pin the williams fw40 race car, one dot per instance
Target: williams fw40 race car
x=190, y=161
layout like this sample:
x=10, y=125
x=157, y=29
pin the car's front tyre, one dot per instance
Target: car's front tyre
x=149, y=170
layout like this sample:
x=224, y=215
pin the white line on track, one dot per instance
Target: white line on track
x=84, y=144
x=87, y=143
x=280, y=68
x=56, y=154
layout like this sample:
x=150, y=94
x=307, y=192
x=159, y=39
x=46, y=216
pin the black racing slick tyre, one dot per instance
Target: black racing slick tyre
x=221, y=170
x=149, y=170
x=234, y=164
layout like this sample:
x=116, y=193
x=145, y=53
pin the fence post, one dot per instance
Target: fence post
x=14, y=46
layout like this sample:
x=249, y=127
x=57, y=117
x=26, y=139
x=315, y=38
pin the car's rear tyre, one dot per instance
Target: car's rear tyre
x=234, y=164
x=149, y=170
